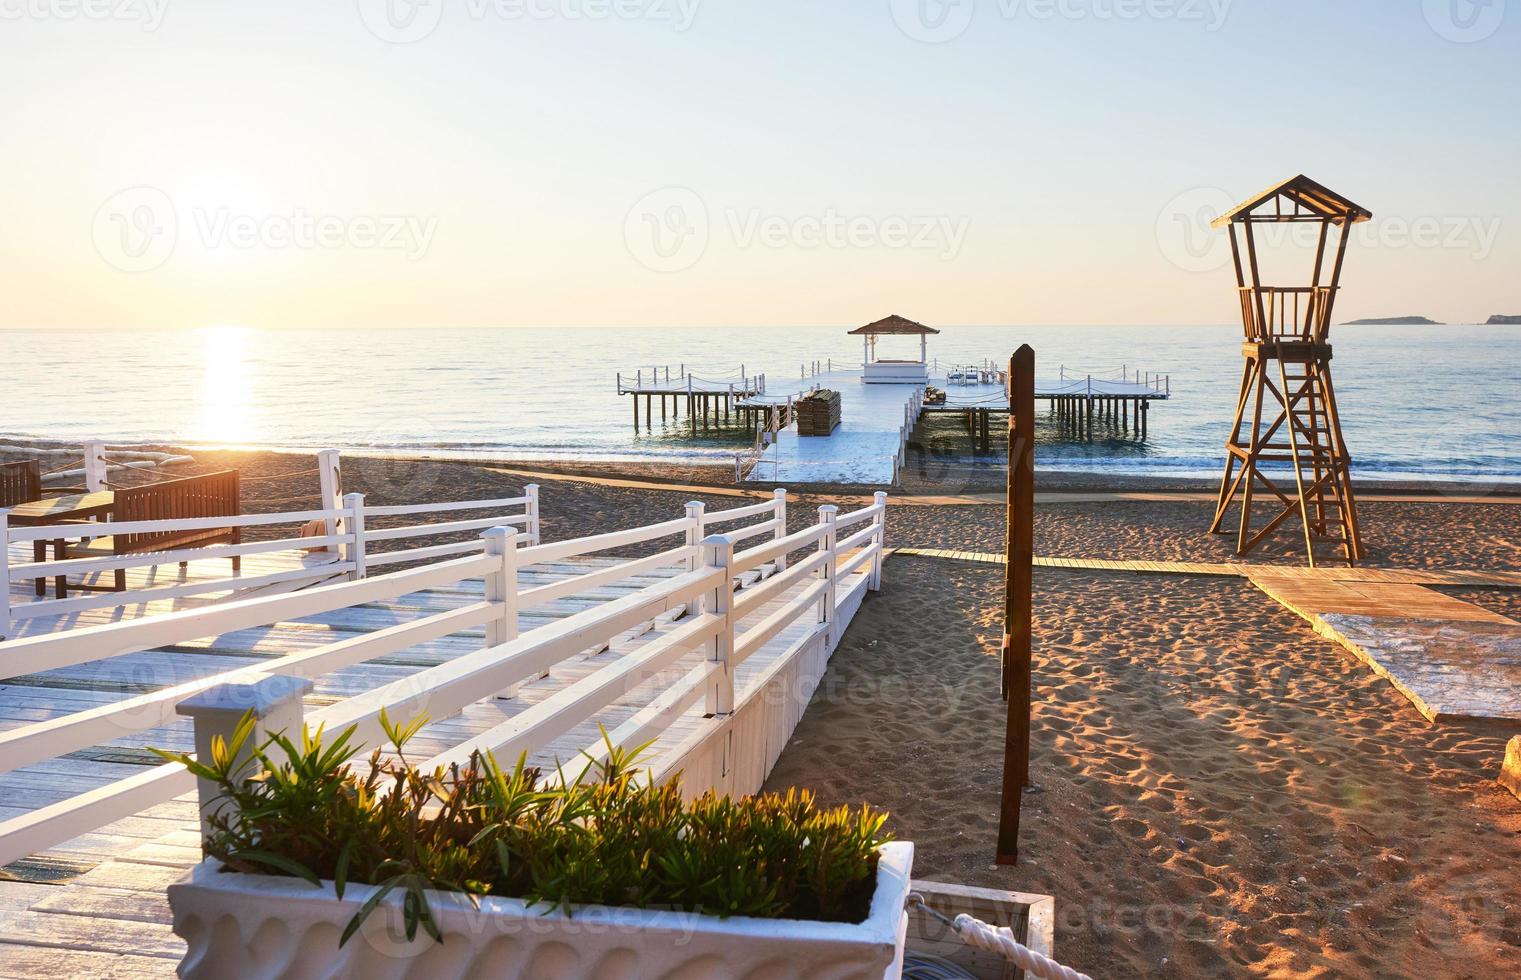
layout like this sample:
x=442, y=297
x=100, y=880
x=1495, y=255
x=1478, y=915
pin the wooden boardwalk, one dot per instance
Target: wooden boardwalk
x=1455, y=661
x=96, y=904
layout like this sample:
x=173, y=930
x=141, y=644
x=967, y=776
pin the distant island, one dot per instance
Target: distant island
x=1501, y=320
x=1396, y=321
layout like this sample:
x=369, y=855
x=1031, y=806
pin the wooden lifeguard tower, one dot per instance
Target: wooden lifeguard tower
x=875, y=370
x=1286, y=411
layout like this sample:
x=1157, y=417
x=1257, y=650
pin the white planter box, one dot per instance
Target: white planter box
x=239, y=925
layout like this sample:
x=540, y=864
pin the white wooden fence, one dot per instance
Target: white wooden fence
x=705, y=589
x=342, y=551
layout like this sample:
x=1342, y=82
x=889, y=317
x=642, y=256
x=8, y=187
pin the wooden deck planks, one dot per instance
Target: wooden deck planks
x=110, y=918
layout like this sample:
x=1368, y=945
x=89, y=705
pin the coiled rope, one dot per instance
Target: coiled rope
x=975, y=932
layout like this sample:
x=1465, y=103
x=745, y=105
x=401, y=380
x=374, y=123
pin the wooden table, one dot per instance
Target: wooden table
x=72, y=509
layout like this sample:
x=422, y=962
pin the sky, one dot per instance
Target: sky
x=505, y=163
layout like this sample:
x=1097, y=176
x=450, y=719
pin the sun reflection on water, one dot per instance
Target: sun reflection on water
x=225, y=417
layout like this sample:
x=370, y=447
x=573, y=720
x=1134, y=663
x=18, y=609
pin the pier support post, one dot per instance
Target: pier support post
x=275, y=704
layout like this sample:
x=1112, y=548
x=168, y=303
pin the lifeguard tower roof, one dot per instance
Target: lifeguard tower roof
x=1309, y=201
x=894, y=325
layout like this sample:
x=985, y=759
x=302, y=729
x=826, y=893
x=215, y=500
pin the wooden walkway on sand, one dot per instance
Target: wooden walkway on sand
x=1455, y=661
x=96, y=904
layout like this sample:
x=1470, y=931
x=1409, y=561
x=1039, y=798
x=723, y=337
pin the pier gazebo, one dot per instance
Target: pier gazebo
x=875, y=370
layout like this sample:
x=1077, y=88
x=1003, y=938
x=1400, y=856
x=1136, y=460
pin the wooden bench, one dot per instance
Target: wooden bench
x=210, y=495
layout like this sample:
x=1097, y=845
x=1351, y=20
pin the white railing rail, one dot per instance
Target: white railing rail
x=342, y=550
x=693, y=660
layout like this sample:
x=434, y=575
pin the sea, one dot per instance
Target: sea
x=1438, y=403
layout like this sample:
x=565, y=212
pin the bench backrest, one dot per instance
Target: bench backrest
x=20, y=483
x=209, y=495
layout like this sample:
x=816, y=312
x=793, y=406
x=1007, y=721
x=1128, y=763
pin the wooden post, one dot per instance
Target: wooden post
x=1019, y=550
x=502, y=585
x=780, y=496
x=531, y=491
x=694, y=538
x=5, y=574
x=827, y=515
x=330, y=486
x=94, y=465
x=353, y=544
x=274, y=702
x=875, y=582
x=720, y=602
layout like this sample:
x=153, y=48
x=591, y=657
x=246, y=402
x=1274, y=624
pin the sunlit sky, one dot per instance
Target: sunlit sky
x=388, y=163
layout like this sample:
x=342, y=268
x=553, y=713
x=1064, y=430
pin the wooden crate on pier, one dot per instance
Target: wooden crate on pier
x=818, y=414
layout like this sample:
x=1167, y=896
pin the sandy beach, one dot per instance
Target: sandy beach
x=1217, y=790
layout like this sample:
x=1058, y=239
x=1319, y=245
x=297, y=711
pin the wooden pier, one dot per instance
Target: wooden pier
x=705, y=650
x=710, y=403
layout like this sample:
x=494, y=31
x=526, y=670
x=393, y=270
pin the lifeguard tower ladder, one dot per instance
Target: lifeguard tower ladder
x=1286, y=411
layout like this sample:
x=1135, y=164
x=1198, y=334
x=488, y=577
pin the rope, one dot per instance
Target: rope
x=975, y=932
x=65, y=468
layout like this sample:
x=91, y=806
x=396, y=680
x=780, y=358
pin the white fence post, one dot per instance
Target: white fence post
x=275, y=703
x=532, y=493
x=780, y=495
x=330, y=480
x=353, y=545
x=875, y=582
x=5, y=574
x=720, y=602
x=94, y=465
x=827, y=514
x=502, y=585
x=695, y=510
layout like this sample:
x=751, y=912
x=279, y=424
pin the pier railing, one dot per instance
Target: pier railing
x=842, y=545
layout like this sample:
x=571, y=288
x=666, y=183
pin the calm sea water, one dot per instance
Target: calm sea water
x=1441, y=402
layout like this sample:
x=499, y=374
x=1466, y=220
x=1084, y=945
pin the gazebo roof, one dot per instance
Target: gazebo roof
x=1309, y=202
x=894, y=325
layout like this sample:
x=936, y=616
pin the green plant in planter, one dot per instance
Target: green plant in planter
x=608, y=836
